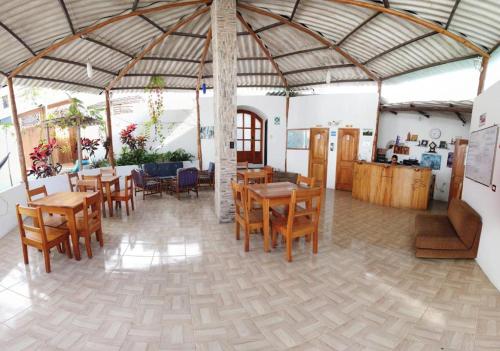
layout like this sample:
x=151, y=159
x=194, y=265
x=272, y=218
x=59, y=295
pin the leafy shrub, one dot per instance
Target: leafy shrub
x=141, y=156
x=41, y=166
x=98, y=163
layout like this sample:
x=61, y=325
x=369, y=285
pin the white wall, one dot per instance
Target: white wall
x=482, y=198
x=356, y=109
x=451, y=127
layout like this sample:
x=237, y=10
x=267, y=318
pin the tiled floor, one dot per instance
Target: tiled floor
x=171, y=278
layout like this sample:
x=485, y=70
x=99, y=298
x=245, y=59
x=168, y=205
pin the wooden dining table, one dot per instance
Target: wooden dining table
x=270, y=194
x=253, y=173
x=107, y=182
x=67, y=204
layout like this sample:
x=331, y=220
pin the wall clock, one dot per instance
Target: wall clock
x=435, y=133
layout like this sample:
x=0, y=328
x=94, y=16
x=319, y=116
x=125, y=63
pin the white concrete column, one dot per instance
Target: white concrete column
x=224, y=53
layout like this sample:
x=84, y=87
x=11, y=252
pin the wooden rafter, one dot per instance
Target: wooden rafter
x=108, y=46
x=263, y=47
x=452, y=14
x=295, y=7
x=311, y=33
x=421, y=108
x=358, y=27
x=15, y=36
x=68, y=17
x=320, y=68
x=75, y=63
x=134, y=5
x=414, y=19
x=305, y=51
x=84, y=32
x=386, y=4
x=153, y=44
x=203, y=58
x=53, y=80
x=337, y=81
x=482, y=75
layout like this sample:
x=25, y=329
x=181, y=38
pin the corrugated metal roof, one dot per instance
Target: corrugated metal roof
x=385, y=44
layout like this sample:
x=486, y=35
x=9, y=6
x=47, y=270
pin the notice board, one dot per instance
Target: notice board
x=481, y=155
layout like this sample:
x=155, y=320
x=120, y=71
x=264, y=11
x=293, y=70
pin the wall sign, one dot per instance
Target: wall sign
x=277, y=120
x=482, y=120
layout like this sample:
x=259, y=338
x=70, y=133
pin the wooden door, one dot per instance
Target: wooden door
x=318, y=155
x=458, y=169
x=347, y=154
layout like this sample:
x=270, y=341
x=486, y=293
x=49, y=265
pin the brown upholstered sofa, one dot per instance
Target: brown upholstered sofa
x=455, y=235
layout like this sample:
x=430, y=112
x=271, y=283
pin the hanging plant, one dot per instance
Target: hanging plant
x=76, y=115
x=154, y=127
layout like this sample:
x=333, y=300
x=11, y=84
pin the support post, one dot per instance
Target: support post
x=482, y=75
x=224, y=49
x=109, y=130
x=287, y=109
x=79, y=147
x=198, y=129
x=19, y=137
x=375, y=132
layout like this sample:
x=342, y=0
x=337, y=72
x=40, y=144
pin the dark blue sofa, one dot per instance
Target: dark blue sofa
x=162, y=170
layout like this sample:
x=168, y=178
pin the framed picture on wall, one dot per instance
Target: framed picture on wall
x=432, y=161
x=297, y=139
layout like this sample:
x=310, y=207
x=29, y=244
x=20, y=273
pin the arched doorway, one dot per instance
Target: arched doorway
x=249, y=137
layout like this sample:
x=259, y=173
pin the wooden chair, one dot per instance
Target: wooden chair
x=269, y=170
x=40, y=236
x=245, y=217
x=72, y=178
x=260, y=177
x=98, y=179
x=305, y=181
x=145, y=184
x=125, y=195
x=85, y=185
x=300, y=221
x=242, y=165
x=108, y=171
x=90, y=222
x=51, y=220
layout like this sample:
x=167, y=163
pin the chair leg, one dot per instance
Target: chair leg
x=87, y=246
x=25, y=254
x=247, y=239
x=46, y=258
x=103, y=209
x=132, y=202
x=315, y=242
x=238, y=228
x=100, y=238
x=274, y=237
x=289, y=249
x=67, y=248
x=126, y=206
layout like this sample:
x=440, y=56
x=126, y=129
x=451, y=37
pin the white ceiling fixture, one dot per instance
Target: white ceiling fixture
x=90, y=70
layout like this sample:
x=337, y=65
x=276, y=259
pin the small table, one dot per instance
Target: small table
x=107, y=181
x=67, y=204
x=270, y=194
x=248, y=174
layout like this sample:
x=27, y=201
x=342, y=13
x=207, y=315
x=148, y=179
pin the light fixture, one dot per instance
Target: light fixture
x=90, y=70
x=328, y=77
x=204, y=88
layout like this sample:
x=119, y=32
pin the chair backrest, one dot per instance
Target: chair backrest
x=72, y=178
x=96, y=177
x=168, y=169
x=151, y=169
x=465, y=220
x=269, y=170
x=91, y=211
x=187, y=177
x=241, y=165
x=37, y=191
x=129, y=186
x=38, y=227
x=240, y=201
x=312, y=198
x=305, y=181
x=211, y=167
x=138, y=177
x=108, y=171
x=257, y=177
x=84, y=185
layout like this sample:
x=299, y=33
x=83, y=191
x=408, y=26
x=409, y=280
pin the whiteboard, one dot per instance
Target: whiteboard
x=481, y=155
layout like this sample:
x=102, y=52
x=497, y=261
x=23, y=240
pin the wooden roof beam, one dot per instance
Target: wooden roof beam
x=313, y=34
x=452, y=13
x=15, y=36
x=263, y=47
x=53, y=80
x=203, y=58
x=358, y=27
x=153, y=44
x=386, y=4
x=301, y=52
x=108, y=46
x=320, y=68
x=417, y=108
x=71, y=62
x=68, y=17
x=84, y=32
x=417, y=20
x=295, y=7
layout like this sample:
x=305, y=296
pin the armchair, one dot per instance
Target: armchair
x=186, y=181
x=145, y=184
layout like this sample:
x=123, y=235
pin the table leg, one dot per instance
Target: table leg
x=265, y=216
x=70, y=215
x=108, y=199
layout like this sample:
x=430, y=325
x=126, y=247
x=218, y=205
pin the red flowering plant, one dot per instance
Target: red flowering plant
x=40, y=158
x=133, y=142
x=89, y=145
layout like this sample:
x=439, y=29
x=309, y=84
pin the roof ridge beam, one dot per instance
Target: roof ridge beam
x=313, y=34
x=158, y=40
x=84, y=32
x=263, y=47
x=417, y=20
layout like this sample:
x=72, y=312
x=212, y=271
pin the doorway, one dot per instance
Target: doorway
x=347, y=154
x=318, y=155
x=458, y=169
x=249, y=137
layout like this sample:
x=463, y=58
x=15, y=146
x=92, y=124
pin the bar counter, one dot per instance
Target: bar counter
x=394, y=186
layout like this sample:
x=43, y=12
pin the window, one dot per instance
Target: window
x=5, y=101
x=249, y=134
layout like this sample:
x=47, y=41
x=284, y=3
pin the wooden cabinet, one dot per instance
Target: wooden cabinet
x=394, y=186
